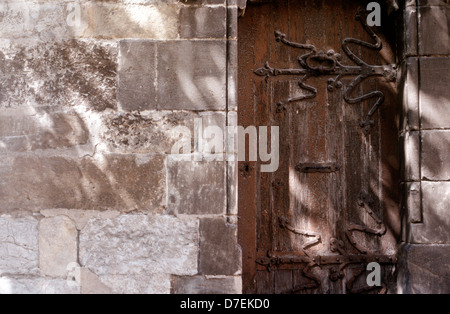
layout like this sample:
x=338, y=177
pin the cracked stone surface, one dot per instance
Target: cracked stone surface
x=10, y=285
x=72, y=73
x=19, y=246
x=138, y=284
x=424, y=269
x=91, y=284
x=153, y=132
x=79, y=216
x=205, y=285
x=57, y=245
x=109, y=182
x=140, y=244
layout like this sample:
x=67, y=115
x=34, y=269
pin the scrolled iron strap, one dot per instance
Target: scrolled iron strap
x=330, y=64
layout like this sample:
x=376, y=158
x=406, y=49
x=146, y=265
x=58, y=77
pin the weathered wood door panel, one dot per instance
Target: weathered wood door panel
x=332, y=206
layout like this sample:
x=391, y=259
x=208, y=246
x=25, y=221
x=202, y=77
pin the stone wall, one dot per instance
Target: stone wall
x=425, y=254
x=92, y=94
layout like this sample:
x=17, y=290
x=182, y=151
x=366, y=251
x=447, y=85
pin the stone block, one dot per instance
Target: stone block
x=196, y=188
x=21, y=133
x=192, y=75
x=138, y=284
x=232, y=21
x=96, y=19
x=213, y=129
x=232, y=168
x=413, y=202
x=19, y=250
x=154, y=132
x=411, y=156
x=25, y=19
x=58, y=247
x=424, y=269
x=79, y=216
x=433, y=2
x=137, y=75
x=199, y=2
x=434, y=92
x=219, y=251
x=410, y=95
x=59, y=74
x=128, y=20
x=436, y=221
x=140, y=245
x=11, y=285
x=232, y=138
x=239, y=3
x=115, y=182
x=434, y=20
x=435, y=155
x=232, y=195
x=409, y=3
x=206, y=285
x=91, y=284
x=203, y=22
x=232, y=75
x=410, y=20
x=157, y=132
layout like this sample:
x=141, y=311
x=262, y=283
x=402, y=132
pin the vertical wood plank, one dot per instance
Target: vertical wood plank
x=265, y=282
x=283, y=281
x=247, y=179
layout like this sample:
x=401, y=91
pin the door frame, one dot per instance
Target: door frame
x=247, y=226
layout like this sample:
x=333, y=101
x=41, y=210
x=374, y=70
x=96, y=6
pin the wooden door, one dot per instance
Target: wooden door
x=316, y=70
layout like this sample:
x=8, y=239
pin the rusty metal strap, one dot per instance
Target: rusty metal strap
x=317, y=167
x=314, y=63
x=278, y=259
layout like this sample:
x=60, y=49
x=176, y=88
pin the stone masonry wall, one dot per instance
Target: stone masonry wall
x=425, y=254
x=91, y=96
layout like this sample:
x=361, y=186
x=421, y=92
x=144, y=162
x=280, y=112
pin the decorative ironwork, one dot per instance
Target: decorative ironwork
x=339, y=262
x=317, y=168
x=317, y=238
x=316, y=63
x=365, y=202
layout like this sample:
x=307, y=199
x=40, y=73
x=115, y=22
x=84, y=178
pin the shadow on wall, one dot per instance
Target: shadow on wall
x=52, y=101
x=56, y=92
x=60, y=74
